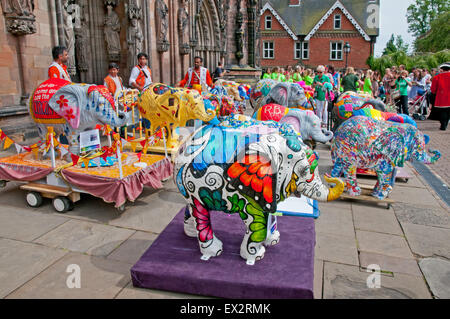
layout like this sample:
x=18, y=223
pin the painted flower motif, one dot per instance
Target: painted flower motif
x=62, y=102
x=69, y=114
x=202, y=217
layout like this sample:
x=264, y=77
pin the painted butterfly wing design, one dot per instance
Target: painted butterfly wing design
x=253, y=176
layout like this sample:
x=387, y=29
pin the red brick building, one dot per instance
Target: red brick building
x=314, y=32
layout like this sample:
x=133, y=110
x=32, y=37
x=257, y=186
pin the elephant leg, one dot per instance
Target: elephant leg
x=252, y=246
x=189, y=223
x=337, y=168
x=350, y=178
x=210, y=245
x=383, y=187
x=273, y=237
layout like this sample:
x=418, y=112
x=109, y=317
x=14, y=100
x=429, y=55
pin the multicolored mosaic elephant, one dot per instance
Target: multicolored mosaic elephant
x=72, y=108
x=362, y=142
x=269, y=91
x=350, y=102
x=305, y=122
x=243, y=166
x=169, y=107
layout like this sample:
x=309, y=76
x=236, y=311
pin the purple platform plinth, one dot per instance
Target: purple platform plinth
x=173, y=262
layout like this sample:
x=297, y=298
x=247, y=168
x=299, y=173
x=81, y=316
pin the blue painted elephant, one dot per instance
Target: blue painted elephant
x=244, y=166
x=72, y=108
x=362, y=142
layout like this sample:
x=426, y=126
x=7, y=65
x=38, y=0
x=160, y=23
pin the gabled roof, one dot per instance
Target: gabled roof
x=338, y=5
x=303, y=19
x=269, y=7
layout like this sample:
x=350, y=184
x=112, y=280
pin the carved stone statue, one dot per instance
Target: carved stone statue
x=183, y=28
x=69, y=35
x=135, y=36
x=112, y=31
x=162, y=24
x=81, y=40
x=19, y=16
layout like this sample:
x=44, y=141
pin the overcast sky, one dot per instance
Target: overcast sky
x=393, y=21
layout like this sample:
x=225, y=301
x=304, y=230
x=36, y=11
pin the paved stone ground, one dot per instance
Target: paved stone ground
x=440, y=140
x=37, y=245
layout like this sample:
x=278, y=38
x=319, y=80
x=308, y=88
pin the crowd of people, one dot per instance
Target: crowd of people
x=396, y=86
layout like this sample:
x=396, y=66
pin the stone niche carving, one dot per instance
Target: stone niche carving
x=135, y=36
x=71, y=14
x=112, y=30
x=183, y=28
x=162, y=25
x=82, y=38
x=19, y=16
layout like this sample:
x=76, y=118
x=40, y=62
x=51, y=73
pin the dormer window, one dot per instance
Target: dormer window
x=337, y=21
x=268, y=23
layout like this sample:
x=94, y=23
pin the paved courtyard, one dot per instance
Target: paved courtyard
x=410, y=242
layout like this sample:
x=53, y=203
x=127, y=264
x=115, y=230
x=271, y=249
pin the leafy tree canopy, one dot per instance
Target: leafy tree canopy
x=438, y=38
x=421, y=14
x=395, y=44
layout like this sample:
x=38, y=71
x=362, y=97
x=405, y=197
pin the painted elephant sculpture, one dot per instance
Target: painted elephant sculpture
x=268, y=91
x=350, y=102
x=362, y=142
x=244, y=167
x=305, y=122
x=72, y=108
x=224, y=104
x=169, y=107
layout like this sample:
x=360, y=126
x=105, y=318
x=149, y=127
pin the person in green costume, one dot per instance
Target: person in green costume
x=275, y=73
x=350, y=81
x=281, y=76
x=267, y=74
x=307, y=77
x=402, y=84
x=296, y=77
x=319, y=80
x=368, y=82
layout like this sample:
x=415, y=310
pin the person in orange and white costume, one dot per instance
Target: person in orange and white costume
x=58, y=69
x=198, y=78
x=141, y=74
x=113, y=81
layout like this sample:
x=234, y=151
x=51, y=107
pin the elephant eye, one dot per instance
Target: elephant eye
x=171, y=102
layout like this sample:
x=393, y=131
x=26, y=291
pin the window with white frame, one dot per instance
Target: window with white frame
x=337, y=21
x=268, y=22
x=297, y=50
x=305, y=51
x=268, y=50
x=336, y=50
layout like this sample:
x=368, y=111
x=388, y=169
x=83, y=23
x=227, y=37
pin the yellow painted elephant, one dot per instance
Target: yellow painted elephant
x=169, y=107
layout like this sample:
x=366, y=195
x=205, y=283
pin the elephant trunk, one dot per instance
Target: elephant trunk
x=205, y=116
x=431, y=159
x=324, y=194
x=322, y=136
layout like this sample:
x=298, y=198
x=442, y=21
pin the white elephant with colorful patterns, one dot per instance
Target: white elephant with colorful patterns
x=247, y=167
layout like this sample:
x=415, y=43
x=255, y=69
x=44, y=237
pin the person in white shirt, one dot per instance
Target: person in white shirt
x=141, y=74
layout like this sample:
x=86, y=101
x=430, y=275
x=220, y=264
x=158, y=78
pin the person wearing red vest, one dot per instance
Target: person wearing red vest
x=198, y=78
x=113, y=81
x=141, y=75
x=58, y=69
x=440, y=87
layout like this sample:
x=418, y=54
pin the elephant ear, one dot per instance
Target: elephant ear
x=293, y=120
x=68, y=101
x=280, y=94
x=392, y=145
x=254, y=177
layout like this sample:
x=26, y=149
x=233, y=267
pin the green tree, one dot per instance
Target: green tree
x=421, y=14
x=438, y=38
x=395, y=44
